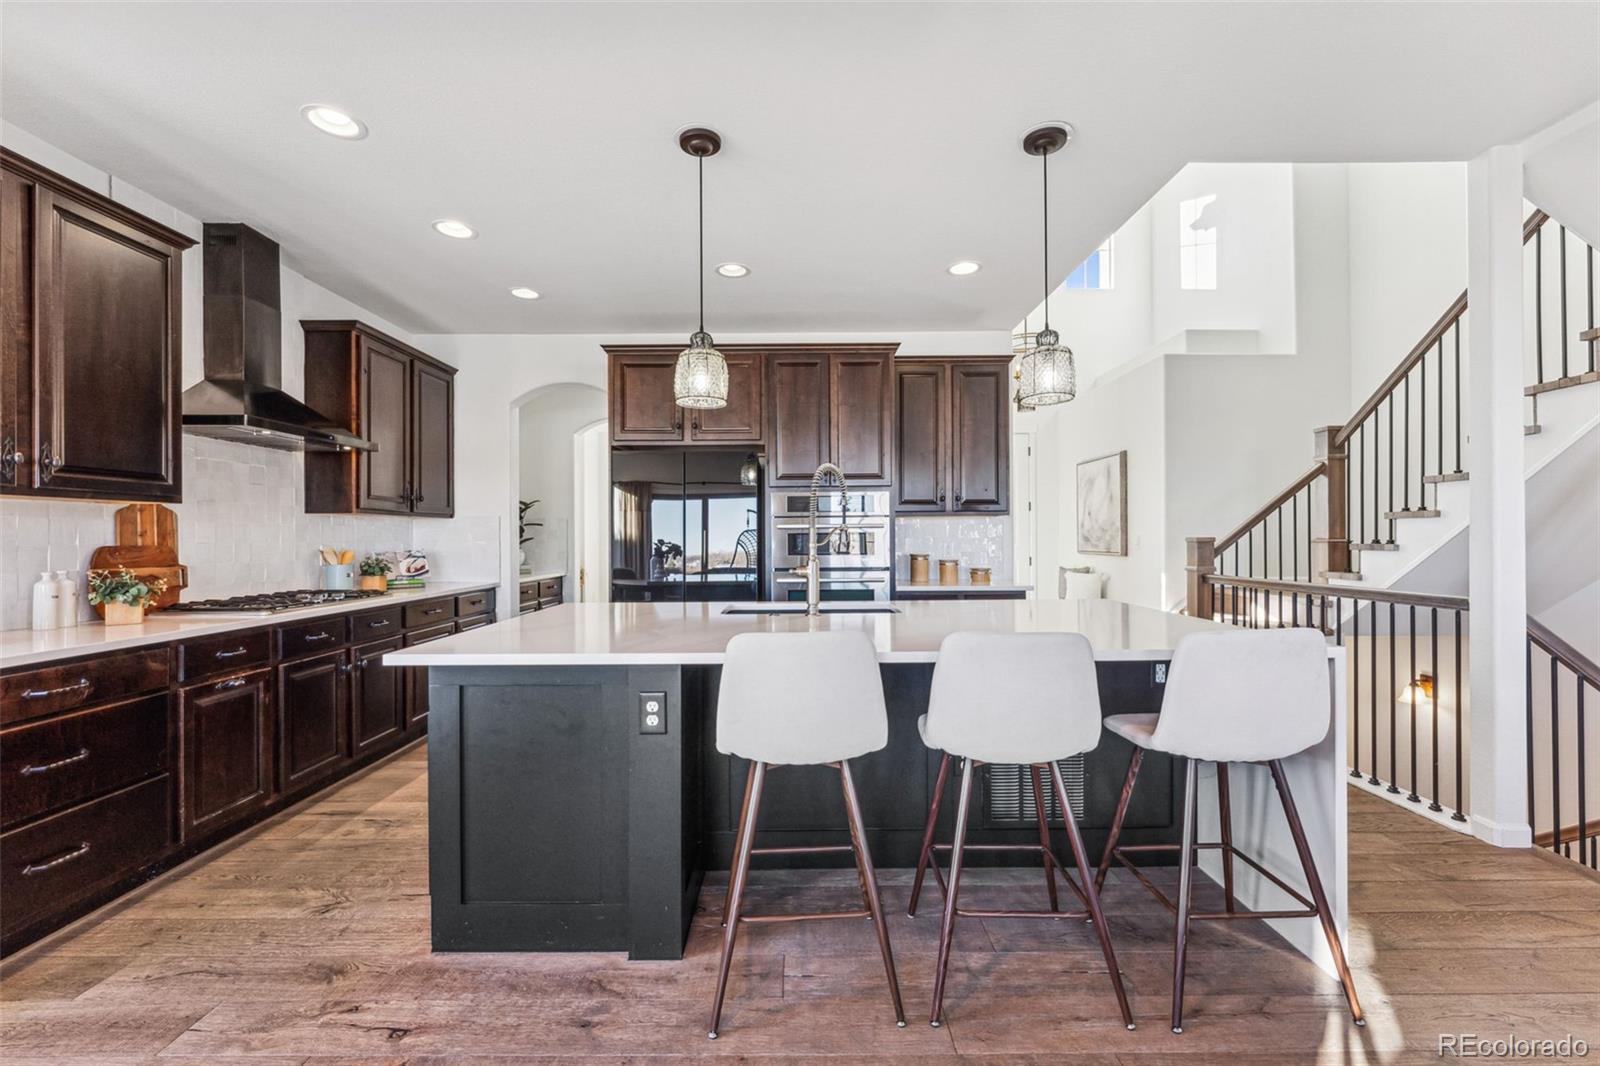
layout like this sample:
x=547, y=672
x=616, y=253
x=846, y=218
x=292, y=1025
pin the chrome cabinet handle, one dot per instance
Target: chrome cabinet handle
x=433, y=610
x=47, y=464
x=310, y=637
x=67, y=856
x=958, y=499
x=44, y=768
x=80, y=685
x=377, y=623
x=941, y=495
x=345, y=668
x=11, y=458
x=234, y=654
x=232, y=682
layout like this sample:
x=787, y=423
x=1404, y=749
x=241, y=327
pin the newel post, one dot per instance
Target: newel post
x=1201, y=562
x=1336, y=540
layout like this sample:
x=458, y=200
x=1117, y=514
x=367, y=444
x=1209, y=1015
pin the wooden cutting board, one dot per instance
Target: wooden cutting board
x=147, y=544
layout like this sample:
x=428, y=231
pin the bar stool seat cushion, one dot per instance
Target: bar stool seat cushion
x=1137, y=729
x=801, y=699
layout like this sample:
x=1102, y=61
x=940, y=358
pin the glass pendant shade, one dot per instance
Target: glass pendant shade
x=1048, y=374
x=750, y=471
x=700, y=378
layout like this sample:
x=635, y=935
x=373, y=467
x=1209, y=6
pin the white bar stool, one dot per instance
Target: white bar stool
x=1252, y=697
x=800, y=699
x=1025, y=699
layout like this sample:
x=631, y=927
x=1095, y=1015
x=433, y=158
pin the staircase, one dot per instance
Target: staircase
x=1385, y=504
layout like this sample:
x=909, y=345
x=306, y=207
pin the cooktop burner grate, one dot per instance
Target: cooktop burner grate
x=272, y=602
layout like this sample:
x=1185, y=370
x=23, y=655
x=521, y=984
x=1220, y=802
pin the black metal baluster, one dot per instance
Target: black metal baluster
x=1583, y=784
x=1372, y=779
x=1361, y=474
x=1390, y=404
x=1411, y=640
x=1405, y=452
x=1279, y=513
x=1433, y=701
x=1394, y=722
x=1439, y=452
x=1538, y=303
x=1294, y=534
x=1355, y=673
x=1564, y=370
x=1250, y=550
x=1308, y=526
x=1422, y=435
x=1461, y=712
x=1555, y=755
x=1528, y=675
x=1590, y=298
x=1456, y=329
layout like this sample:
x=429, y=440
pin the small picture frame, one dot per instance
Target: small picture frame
x=1103, y=505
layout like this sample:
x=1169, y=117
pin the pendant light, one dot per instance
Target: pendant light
x=700, y=378
x=1047, y=372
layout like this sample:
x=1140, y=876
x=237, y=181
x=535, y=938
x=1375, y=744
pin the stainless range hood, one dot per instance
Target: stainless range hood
x=241, y=398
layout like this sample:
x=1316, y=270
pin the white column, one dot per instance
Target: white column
x=1497, y=540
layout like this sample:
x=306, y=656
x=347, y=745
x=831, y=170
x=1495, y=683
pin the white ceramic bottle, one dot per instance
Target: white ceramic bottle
x=67, y=599
x=46, y=593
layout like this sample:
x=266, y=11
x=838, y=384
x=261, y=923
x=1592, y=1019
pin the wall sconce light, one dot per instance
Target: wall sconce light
x=1418, y=691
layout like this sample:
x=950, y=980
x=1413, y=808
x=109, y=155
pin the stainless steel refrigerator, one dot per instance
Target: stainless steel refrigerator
x=686, y=524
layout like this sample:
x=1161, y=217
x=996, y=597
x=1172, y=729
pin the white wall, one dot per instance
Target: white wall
x=546, y=463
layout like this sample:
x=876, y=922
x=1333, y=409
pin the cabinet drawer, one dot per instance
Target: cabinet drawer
x=474, y=623
x=230, y=652
x=431, y=612
x=422, y=636
x=474, y=603
x=313, y=638
x=527, y=592
x=375, y=625
x=550, y=589
x=27, y=694
x=55, y=764
x=49, y=864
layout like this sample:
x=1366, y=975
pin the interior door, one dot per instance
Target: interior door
x=921, y=450
x=980, y=425
x=107, y=369
x=433, y=445
x=384, y=474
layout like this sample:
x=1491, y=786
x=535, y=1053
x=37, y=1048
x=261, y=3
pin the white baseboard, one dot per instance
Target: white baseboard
x=1502, y=835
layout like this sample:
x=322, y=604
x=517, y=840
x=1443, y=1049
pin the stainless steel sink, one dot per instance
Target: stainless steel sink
x=800, y=608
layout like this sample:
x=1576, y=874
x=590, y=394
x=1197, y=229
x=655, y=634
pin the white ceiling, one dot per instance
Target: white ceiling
x=867, y=146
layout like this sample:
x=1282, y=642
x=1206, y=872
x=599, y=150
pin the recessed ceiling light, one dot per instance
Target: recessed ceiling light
x=452, y=228
x=522, y=292
x=964, y=267
x=733, y=270
x=332, y=121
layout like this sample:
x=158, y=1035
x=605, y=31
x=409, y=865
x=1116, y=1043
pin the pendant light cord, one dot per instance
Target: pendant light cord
x=700, y=166
x=1044, y=158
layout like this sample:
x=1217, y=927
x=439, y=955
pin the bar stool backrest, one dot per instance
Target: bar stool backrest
x=1015, y=698
x=801, y=698
x=1247, y=696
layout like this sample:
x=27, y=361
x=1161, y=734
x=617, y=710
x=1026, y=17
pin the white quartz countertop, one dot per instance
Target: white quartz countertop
x=933, y=588
x=598, y=634
x=29, y=647
x=540, y=575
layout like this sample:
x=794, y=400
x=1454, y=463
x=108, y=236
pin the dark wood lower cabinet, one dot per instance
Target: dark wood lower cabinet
x=380, y=711
x=227, y=749
x=313, y=718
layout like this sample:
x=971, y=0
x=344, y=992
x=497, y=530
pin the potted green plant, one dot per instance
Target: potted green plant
x=123, y=594
x=375, y=573
x=524, y=523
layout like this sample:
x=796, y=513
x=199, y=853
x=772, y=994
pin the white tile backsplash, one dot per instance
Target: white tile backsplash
x=241, y=528
x=976, y=540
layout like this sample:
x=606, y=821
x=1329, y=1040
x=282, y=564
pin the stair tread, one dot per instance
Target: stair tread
x=1528, y=431
x=1410, y=514
x=1436, y=479
x=1342, y=575
x=1582, y=378
x=1376, y=546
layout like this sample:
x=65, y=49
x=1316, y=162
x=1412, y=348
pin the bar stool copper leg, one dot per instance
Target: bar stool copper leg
x=1044, y=831
x=1324, y=912
x=948, y=926
x=869, y=882
x=1080, y=858
x=1116, y=822
x=1225, y=817
x=738, y=839
x=927, y=834
x=736, y=882
x=1185, y=882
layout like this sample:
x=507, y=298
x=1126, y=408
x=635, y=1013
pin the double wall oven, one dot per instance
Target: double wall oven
x=856, y=565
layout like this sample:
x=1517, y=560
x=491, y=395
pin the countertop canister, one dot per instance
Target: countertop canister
x=949, y=571
x=919, y=568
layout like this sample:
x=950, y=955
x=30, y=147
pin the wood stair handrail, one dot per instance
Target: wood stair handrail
x=1347, y=592
x=1563, y=653
x=1425, y=345
x=1569, y=834
x=1272, y=505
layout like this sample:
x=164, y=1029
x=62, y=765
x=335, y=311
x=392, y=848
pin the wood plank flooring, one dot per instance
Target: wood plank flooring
x=306, y=944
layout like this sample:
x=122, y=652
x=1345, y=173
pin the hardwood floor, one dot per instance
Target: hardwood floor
x=307, y=943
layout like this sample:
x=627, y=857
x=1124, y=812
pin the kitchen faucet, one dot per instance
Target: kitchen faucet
x=812, y=570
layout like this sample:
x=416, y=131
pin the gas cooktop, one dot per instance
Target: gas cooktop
x=270, y=603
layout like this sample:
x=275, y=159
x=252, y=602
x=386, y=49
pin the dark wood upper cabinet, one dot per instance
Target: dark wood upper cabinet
x=91, y=294
x=953, y=436
x=832, y=404
x=922, y=416
x=643, y=410
x=800, y=438
x=314, y=718
x=400, y=399
x=861, y=410
x=227, y=749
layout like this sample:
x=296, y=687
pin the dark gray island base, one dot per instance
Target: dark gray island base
x=558, y=823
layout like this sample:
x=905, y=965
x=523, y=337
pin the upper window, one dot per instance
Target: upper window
x=1094, y=272
x=1197, y=243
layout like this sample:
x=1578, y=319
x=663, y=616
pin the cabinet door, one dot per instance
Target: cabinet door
x=980, y=453
x=16, y=329
x=862, y=412
x=742, y=420
x=799, y=391
x=921, y=449
x=313, y=718
x=384, y=475
x=227, y=749
x=642, y=408
x=380, y=712
x=107, y=361
x=416, y=677
x=433, y=440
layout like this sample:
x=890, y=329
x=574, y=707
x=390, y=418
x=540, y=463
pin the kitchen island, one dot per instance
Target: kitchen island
x=577, y=799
